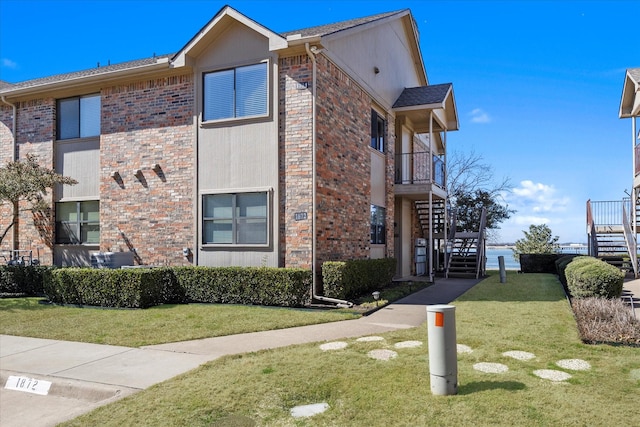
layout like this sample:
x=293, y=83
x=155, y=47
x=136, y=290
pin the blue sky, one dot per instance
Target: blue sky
x=537, y=83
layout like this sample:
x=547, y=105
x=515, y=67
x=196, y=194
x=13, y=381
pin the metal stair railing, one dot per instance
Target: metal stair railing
x=449, y=244
x=480, y=251
x=632, y=244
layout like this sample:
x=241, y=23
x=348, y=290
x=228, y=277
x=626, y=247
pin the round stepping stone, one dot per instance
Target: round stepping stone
x=461, y=348
x=337, y=345
x=520, y=355
x=574, y=364
x=382, y=354
x=635, y=374
x=491, y=368
x=408, y=344
x=553, y=375
x=309, y=410
x=370, y=339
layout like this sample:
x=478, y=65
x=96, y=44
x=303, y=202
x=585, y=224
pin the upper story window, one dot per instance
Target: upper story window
x=79, y=117
x=236, y=93
x=378, y=125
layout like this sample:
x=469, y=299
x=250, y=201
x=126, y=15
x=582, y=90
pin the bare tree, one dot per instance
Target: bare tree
x=471, y=186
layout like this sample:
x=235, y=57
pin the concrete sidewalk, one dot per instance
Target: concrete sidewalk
x=85, y=376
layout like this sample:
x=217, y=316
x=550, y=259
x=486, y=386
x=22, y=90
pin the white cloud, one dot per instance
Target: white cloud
x=7, y=63
x=538, y=198
x=538, y=203
x=530, y=219
x=478, y=115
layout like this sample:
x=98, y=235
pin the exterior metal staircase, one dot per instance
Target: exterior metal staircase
x=610, y=234
x=438, y=219
x=467, y=257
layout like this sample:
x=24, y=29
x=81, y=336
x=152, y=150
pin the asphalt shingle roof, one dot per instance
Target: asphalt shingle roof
x=635, y=74
x=83, y=73
x=320, y=30
x=323, y=30
x=423, y=95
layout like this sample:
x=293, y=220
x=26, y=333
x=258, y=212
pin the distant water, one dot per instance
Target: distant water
x=511, y=264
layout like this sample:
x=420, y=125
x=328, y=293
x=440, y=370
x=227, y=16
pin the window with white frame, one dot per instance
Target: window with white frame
x=78, y=222
x=78, y=117
x=378, y=125
x=378, y=225
x=235, y=219
x=236, y=93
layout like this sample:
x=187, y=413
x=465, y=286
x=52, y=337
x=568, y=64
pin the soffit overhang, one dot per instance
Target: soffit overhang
x=630, y=102
x=87, y=80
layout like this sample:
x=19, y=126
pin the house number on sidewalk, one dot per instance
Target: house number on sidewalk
x=29, y=385
x=299, y=216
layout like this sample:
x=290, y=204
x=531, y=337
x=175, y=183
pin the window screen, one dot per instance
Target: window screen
x=236, y=93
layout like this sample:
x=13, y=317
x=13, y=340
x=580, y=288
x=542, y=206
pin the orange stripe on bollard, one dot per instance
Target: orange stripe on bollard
x=439, y=319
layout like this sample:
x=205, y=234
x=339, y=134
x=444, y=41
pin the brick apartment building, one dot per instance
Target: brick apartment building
x=246, y=147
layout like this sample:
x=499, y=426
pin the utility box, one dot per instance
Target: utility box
x=111, y=259
x=443, y=354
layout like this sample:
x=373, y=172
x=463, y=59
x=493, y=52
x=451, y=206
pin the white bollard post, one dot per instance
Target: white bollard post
x=443, y=355
x=503, y=272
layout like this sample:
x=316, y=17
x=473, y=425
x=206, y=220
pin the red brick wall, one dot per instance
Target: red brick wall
x=295, y=161
x=35, y=134
x=6, y=155
x=344, y=167
x=146, y=123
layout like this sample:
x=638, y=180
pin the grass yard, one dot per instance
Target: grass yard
x=27, y=317
x=527, y=314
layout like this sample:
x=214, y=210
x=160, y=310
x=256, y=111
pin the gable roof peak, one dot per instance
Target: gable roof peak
x=326, y=29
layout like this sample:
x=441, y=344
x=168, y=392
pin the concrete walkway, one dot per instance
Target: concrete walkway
x=84, y=376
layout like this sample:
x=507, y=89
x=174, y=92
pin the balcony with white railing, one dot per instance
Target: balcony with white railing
x=419, y=173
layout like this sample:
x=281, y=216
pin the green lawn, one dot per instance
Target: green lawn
x=529, y=313
x=28, y=317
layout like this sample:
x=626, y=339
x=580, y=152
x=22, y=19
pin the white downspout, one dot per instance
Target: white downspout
x=14, y=154
x=312, y=52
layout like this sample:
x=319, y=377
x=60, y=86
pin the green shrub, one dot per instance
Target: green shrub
x=23, y=280
x=352, y=278
x=141, y=288
x=126, y=288
x=285, y=287
x=561, y=265
x=590, y=277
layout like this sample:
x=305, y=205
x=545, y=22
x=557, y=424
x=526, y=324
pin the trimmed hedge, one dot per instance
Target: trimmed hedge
x=591, y=277
x=561, y=266
x=284, y=287
x=352, y=278
x=142, y=288
x=23, y=280
x=126, y=288
x=538, y=263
